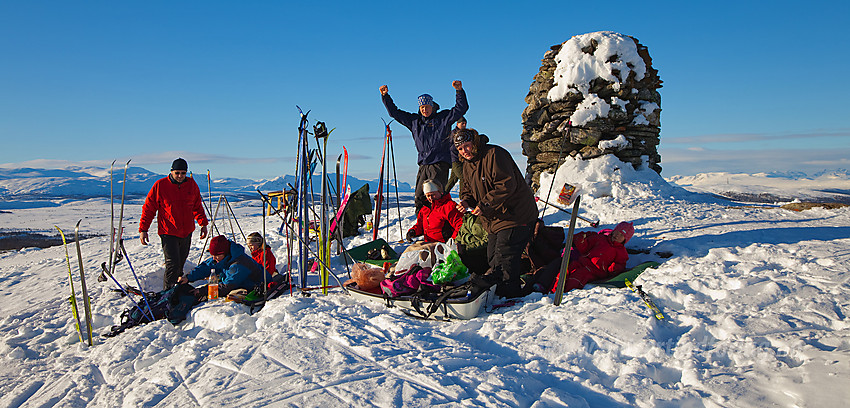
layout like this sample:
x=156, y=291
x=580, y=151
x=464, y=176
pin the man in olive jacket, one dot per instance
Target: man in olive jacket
x=494, y=189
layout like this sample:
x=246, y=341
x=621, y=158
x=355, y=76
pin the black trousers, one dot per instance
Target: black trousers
x=176, y=250
x=504, y=253
x=438, y=171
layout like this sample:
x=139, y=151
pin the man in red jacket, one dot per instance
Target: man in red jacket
x=438, y=220
x=176, y=203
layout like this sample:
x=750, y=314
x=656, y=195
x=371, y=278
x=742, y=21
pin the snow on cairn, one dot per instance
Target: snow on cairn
x=576, y=69
x=590, y=90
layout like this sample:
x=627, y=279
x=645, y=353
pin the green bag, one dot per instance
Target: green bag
x=449, y=271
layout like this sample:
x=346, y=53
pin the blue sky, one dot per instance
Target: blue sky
x=747, y=88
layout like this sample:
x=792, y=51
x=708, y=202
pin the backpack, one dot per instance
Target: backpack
x=359, y=205
x=472, y=234
x=172, y=304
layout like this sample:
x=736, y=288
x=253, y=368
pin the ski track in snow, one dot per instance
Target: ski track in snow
x=756, y=301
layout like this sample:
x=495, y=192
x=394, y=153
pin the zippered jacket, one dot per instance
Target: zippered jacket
x=440, y=221
x=176, y=207
x=493, y=182
x=236, y=270
x=431, y=134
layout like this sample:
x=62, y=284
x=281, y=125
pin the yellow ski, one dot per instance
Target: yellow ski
x=73, y=298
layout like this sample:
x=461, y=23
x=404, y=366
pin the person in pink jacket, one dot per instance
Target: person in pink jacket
x=594, y=256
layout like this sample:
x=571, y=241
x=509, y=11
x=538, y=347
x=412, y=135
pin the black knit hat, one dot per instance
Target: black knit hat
x=462, y=136
x=179, y=164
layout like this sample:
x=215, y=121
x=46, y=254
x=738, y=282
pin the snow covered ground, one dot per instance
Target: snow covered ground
x=756, y=300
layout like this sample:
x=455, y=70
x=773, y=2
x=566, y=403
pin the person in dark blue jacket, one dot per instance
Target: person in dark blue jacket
x=457, y=167
x=235, y=268
x=430, y=131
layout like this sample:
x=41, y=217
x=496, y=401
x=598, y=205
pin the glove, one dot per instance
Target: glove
x=410, y=235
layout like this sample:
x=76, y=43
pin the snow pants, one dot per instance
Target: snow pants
x=504, y=253
x=176, y=250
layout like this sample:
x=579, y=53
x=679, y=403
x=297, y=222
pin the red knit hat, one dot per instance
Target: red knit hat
x=627, y=229
x=219, y=245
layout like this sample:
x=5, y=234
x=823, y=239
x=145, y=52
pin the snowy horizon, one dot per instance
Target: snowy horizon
x=83, y=179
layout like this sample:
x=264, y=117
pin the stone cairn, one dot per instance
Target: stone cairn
x=633, y=110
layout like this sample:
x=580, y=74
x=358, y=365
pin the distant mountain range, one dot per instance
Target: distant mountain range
x=823, y=186
x=94, y=182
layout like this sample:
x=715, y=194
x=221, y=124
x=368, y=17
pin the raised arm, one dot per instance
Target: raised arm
x=405, y=118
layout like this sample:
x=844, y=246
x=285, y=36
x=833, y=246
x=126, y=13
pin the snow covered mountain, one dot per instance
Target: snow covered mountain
x=824, y=186
x=77, y=181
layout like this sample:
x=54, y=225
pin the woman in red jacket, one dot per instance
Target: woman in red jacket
x=255, y=245
x=439, y=220
x=594, y=256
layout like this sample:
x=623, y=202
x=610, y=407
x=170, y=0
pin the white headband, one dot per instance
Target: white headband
x=430, y=187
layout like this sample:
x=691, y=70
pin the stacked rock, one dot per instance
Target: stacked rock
x=595, y=94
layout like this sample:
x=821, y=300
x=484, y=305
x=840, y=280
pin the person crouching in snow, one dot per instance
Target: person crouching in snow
x=439, y=219
x=255, y=245
x=235, y=269
x=496, y=192
x=594, y=256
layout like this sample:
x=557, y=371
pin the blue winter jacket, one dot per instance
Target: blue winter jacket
x=431, y=134
x=236, y=270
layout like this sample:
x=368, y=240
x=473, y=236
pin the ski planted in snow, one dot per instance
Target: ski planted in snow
x=86, y=300
x=565, y=261
x=73, y=298
x=656, y=311
x=321, y=133
x=302, y=213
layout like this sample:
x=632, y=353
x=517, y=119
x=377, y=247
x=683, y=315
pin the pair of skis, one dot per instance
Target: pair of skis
x=85, y=293
x=114, y=255
x=565, y=261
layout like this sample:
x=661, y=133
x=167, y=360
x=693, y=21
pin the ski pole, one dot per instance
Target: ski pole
x=141, y=289
x=560, y=155
x=121, y=216
x=322, y=262
x=102, y=277
x=593, y=224
x=207, y=239
x=103, y=266
x=229, y=208
x=265, y=281
x=301, y=241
